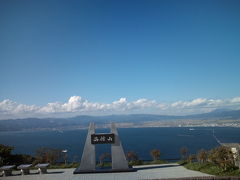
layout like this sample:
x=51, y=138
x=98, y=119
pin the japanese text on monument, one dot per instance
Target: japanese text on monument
x=102, y=138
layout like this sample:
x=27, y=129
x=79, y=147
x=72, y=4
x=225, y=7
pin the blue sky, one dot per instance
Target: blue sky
x=161, y=50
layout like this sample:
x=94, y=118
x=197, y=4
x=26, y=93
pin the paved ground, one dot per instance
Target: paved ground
x=143, y=172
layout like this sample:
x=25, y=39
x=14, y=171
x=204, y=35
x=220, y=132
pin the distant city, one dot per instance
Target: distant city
x=217, y=118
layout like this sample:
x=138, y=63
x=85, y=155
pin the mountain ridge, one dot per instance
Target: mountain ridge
x=131, y=120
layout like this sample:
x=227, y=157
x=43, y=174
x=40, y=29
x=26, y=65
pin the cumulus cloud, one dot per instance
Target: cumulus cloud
x=8, y=106
x=235, y=100
x=76, y=105
x=185, y=104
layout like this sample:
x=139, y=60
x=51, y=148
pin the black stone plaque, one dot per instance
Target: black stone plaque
x=103, y=138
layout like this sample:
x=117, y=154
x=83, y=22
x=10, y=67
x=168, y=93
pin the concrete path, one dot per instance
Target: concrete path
x=143, y=172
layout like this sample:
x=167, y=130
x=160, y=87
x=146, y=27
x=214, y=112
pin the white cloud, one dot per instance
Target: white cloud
x=76, y=105
x=235, y=100
x=184, y=104
x=141, y=104
x=8, y=106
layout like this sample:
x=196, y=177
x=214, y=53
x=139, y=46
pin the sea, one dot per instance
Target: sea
x=169, y=140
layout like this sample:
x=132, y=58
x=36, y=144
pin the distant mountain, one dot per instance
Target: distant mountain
x=218, y=114
x=101, y=121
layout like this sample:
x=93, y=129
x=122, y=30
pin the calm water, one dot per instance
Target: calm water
x=140, y=140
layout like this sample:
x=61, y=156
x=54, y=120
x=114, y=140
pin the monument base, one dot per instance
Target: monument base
x=104, y=171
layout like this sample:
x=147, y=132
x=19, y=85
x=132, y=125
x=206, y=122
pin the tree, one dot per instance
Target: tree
x=49, y=155
x=191, y=158
x=5, y=154
x=155, y=153
x=184, y=152
x=202, y=156
x=222, y=156
x=132, y=156
x=7, y=158
x=18, y=159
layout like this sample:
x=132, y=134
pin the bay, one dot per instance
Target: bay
x=168, y=140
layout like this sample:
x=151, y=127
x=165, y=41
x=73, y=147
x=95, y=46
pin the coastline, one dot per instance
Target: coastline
x=119, y=125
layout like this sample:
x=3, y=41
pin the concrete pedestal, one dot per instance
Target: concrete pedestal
x=25, y=168
x=25, y=171
x=7, y=172
x=42, y=170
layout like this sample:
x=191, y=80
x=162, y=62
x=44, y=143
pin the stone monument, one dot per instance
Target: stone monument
x=88, y=160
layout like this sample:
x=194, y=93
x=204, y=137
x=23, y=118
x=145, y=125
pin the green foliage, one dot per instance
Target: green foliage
x=211, y=168
x=8, y=158
x=219, y=161
x=18, y=159
x=223, y=157
x=63, y=166
x=136, y=162
x=182, y=162
x=105, y=164
x=5, y=154
x=237, y=158
x=5, y=150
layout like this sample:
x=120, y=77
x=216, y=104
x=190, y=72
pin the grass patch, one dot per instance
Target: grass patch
x=104, y=165
x=64, y=166
x=182, y=162
x=212, y=169
x=135, y=163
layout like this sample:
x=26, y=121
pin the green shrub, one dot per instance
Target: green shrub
x=135, y=162
x=213, y=169
x=223, y=157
